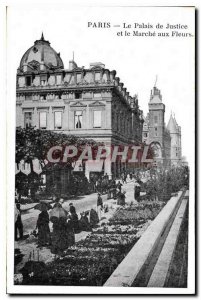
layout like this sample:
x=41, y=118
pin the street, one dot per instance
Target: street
x=82, y=203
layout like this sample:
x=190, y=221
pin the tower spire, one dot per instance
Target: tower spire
x=42, y=37
x=156, y=80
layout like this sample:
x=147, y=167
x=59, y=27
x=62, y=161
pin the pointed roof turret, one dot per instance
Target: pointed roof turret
x=172, y=125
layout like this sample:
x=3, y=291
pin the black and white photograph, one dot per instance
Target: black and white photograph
x=101, y=149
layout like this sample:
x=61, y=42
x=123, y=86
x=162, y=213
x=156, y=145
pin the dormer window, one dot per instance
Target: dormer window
x=35, y=49
x=97, y=76
x=43, y=80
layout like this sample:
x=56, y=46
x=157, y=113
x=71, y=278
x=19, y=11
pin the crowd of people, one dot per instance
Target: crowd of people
x=65, y=227
x=66, y=223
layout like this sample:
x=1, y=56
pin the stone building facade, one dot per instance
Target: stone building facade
x=165, y=141
x=86, y=102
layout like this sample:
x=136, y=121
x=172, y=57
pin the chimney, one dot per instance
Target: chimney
x=72, y=65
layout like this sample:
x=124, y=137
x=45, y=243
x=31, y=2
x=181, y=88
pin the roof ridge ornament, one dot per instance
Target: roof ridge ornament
x=42, y=37
x=156, y=80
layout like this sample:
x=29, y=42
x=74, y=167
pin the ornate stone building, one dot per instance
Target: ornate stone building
x=165, y=141
x=86, y=102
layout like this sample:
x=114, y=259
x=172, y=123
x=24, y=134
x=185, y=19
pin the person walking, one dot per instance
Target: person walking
x=99, y=205
x=43, y=229
x=18, y=222
x=114, y=191
x=122, y=201
x=74, y=218
x=136, y=191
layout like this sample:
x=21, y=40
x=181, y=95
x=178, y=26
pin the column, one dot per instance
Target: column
x=65, y=124
x=87, y=124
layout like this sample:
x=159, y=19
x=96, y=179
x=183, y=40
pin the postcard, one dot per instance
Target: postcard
x=101, y=139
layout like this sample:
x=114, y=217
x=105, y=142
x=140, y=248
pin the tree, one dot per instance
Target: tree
x=34, y=143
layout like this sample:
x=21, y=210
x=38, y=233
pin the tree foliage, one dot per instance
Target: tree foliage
x=34, y=143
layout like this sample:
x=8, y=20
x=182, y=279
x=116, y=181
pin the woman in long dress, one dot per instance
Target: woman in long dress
x=59, y=236
x=43, y=229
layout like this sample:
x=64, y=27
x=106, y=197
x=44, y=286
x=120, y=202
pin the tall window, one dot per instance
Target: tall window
x=27, y=119
x=78, y=119
x=28, y=80
x=43, y=120
x=58, y=120
x=155, y=119
x=97, y=114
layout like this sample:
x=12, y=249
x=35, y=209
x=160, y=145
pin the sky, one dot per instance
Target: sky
x=136, y=59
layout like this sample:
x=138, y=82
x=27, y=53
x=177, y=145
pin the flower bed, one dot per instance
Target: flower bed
x=111, y=240
x=92, y=260
x=137, y=214
x=120, y=229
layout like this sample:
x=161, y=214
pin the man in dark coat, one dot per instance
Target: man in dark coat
x=137, y=191
x=18, y=222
